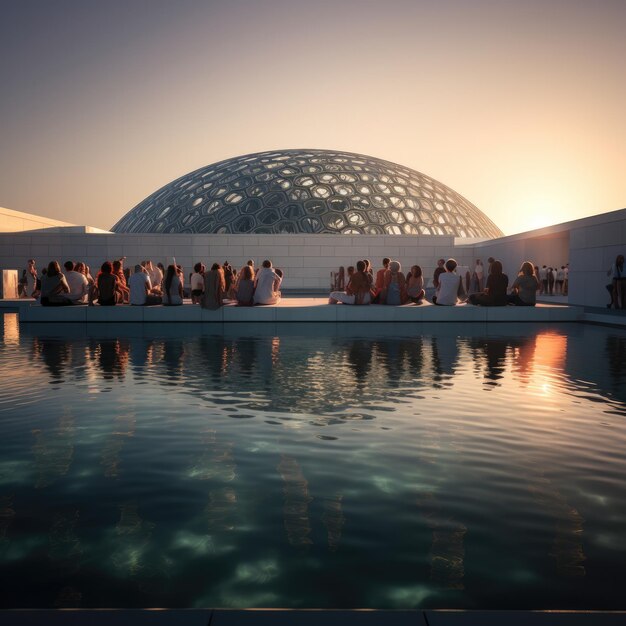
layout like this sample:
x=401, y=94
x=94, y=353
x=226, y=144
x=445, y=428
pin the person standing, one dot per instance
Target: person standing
x=618, y=294
x=479, y=270
x=543, y=279
x=551, y=277
x=31, y=279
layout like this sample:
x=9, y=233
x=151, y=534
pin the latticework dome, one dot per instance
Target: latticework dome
x=307, y=191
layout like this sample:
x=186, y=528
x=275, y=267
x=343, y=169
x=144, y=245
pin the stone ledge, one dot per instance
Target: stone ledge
x=294, y=310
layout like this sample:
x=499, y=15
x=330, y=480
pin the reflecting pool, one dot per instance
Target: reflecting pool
x=313, y=466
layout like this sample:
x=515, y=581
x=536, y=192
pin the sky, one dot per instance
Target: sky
x=518, y=106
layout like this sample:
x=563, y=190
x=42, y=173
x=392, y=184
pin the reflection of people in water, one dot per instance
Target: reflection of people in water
x=55, y=353
x=360, y=360
x=615, y=348
x=173, y=353
x=111, y=356
x=495, y=352
x=445, y=353
x=390, y=354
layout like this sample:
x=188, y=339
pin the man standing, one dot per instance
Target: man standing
x=543, y=279
x=31, y=279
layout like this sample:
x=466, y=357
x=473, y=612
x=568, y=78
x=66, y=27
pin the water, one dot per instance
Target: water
x=325, y=466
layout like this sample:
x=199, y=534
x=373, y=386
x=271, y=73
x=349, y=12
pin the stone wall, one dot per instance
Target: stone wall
x=307, y=260
x=590, y=245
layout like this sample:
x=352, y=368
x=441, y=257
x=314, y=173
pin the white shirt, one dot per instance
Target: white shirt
x=156, y=276
x=543, y=273
x=264, y=292
x=448, y=289
x=479, y=269
x=197, y=282
x=79, y=286
x=137, y=284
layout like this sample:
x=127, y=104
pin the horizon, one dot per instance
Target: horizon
x=514, y=107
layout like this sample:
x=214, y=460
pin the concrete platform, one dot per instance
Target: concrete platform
x=292, y=310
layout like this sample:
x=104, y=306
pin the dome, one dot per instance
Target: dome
x=307, y=191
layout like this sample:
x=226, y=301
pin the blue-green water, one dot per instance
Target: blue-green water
x=326, y=466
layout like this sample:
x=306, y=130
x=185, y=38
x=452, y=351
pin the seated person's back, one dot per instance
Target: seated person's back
x=267, y=284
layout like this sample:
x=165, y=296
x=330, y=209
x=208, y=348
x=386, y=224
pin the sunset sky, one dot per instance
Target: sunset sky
x=518, y=106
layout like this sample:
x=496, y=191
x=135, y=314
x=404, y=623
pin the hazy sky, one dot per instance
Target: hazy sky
x=518, y=106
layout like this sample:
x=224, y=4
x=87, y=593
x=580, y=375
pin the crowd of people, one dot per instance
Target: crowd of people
x=151, y=284
x=391, y=286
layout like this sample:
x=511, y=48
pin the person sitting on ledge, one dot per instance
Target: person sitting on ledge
x=494, y=293
x=357, y=290
x=450, y=286
x=140, y=289
x=245, y=287
x=379, y=284
x=214, y=288
x=105, y=289
x=54, y=287
x=415, y=285
x=267, y=285
x=155, y=275
x=394, y=286
x=197, y=283
x=439, y=270
x=525, y=286
x=79, y=287
x=122, y=287
x=173, y=287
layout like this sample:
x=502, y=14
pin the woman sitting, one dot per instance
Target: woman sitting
x=173, y=287
x=394, y=286
x=54, y=287
x=106, y=287
x=214, y=288
x=415, y=285
x=494, y=293
x=525, y=286
x=357, y=290
x=245, y=287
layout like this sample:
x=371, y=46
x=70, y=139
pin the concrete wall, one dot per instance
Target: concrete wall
x=594, y=244
x=589, y=245
x=307, y=260
x=16, y=221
